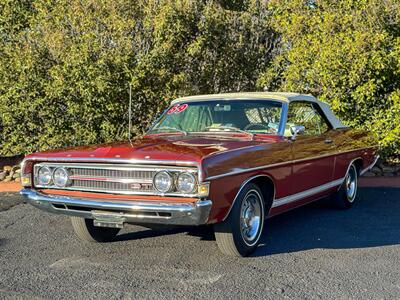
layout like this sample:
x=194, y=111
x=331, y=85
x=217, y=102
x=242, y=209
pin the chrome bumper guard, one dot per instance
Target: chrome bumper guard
x=150, y=212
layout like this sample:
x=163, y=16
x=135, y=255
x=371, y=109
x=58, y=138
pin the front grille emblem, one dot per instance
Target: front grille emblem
x=140, y=186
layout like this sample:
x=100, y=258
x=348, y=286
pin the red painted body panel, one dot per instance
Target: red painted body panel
x=167, y=147
x=229, y=161
x=293, y=166
x=318, y=171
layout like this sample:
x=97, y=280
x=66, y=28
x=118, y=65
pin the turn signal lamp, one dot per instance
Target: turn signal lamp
x=204, y=189
x=26, y=180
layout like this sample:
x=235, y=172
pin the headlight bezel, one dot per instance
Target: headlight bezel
x=170, y=185
x=50, y=176
x=177, y=184
x=66, y=183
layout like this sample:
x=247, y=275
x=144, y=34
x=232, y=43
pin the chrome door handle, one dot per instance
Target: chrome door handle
x=328, y=141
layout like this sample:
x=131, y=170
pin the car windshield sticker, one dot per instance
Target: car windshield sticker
x=181, y=108
x=177, y=109
x=173, y=109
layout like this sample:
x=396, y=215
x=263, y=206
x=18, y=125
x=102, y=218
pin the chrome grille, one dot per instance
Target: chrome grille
x=109, y=173
x=123, y=179
x=111, y=186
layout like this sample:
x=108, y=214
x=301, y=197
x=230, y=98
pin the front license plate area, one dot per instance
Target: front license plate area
x=108, y=224
x=108, y=219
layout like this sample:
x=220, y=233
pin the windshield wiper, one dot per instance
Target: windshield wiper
x=171, y=128
x=231, y=128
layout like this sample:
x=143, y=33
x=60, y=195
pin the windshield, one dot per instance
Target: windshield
x=245, y=116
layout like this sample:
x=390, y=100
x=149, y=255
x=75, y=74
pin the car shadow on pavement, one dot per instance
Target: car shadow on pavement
x=147, y=233
x=203, y=232
x=373, y=221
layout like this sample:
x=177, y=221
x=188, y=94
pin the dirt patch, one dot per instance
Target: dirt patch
x=10, y=187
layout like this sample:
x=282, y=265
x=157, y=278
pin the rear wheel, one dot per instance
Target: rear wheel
x=347, y=194
x=86, y=231
x=239, y=234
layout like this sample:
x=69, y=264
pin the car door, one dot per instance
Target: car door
x=312, y=151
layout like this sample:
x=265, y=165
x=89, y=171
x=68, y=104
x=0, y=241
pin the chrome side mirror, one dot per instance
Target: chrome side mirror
x=296, y=130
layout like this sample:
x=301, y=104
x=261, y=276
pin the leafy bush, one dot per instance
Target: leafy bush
x=65, y=66
x=347, y=53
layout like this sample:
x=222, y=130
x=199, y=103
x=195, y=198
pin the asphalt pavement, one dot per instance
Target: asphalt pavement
x=314, y=252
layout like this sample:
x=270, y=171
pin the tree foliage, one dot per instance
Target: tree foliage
x=65, y=65
x=346, y=53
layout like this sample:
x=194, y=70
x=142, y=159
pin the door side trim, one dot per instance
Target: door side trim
x=240, y=171
x=312, y=191
x=307, y=193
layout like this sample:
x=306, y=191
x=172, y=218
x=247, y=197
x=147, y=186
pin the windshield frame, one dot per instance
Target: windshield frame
x=281, y=127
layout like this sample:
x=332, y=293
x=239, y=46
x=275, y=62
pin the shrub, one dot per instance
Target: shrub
x=66, y=65
x=347, y=53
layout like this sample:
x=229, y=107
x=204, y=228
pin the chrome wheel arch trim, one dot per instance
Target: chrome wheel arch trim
x=348, y=169
x=244, y=183
x=363, y=171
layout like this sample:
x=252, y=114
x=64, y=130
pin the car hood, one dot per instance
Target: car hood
x=171, y=147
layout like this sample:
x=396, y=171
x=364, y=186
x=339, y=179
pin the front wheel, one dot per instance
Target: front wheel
x=239, y=234
x=347, y=194
x=86, y=231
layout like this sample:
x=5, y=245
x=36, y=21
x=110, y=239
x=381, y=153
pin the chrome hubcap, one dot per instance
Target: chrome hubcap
x=351, y=184
x=251, y=217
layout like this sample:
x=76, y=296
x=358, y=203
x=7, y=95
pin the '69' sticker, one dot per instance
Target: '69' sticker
x=177, y=109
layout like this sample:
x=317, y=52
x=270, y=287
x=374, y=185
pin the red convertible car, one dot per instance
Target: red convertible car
x=230, y=160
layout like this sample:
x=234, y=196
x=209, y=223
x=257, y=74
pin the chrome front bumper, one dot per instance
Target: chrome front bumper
x=148, y=212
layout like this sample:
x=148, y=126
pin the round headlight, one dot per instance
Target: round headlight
x=163, y=181
x=44, y=176
x=186, y=183
x=60, y=177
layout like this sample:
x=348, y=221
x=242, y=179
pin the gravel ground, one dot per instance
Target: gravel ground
x=312, y=252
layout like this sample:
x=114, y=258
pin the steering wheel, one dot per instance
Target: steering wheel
x=257, y=124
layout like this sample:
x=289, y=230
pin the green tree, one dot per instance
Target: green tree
x=346, y=53
x=65, y=65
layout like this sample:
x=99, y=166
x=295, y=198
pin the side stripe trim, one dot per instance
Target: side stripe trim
x=307, y=193
x=240, y=171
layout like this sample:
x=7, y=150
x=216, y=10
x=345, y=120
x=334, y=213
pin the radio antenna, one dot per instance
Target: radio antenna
x=130, y=114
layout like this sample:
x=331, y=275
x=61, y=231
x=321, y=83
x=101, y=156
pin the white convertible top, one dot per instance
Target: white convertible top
x=276, y=96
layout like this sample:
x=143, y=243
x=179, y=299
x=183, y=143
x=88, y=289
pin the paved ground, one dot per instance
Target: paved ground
x=312, y=252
